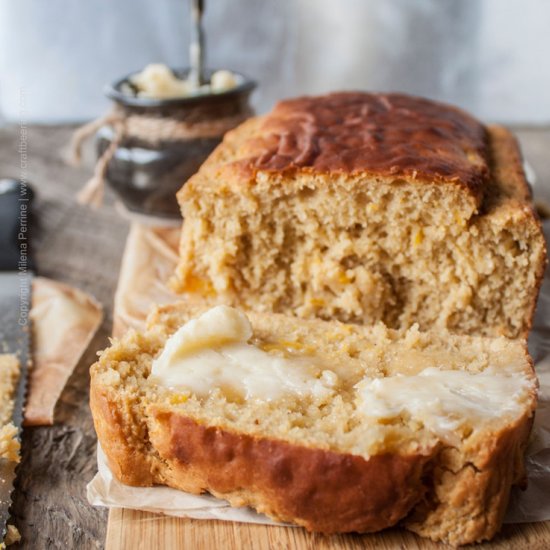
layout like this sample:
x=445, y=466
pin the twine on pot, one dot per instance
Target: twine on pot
x=150, y=129
x=92, y=192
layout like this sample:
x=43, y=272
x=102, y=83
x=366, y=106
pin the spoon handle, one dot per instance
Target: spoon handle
x=196, y=47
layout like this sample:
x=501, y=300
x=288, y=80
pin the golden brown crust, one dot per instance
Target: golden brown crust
x=386, y=135
x=321, y=490
x=511, y=199
x=389, y=134
x=507, y=164
x=129, y=464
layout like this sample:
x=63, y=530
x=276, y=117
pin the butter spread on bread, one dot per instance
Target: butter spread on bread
x=397, y=434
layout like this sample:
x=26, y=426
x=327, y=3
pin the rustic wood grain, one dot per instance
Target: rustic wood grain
x=132, y=529
x=83, y=247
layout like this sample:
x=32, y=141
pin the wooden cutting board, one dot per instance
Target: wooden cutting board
x=137, y=530
x=133, y=530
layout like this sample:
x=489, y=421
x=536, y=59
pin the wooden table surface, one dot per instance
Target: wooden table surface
x=83, y=247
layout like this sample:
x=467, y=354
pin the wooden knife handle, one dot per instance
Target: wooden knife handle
x=15, y=225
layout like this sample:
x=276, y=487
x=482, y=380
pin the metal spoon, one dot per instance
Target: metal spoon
x=196, y=47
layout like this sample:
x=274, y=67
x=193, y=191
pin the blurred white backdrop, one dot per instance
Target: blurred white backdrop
x=489, y=56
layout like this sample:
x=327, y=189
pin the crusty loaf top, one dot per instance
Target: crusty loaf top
x=356, y=133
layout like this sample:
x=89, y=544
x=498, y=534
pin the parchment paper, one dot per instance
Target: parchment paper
x=149, y=260
x=64, y=320
x=525, y=506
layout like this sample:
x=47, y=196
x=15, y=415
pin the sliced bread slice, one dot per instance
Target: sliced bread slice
x=335, y=427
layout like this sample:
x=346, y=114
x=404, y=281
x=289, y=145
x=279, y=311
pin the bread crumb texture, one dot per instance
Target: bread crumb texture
x=327, y=208
x=12, y=536
x=323, y=460
x=9, y=374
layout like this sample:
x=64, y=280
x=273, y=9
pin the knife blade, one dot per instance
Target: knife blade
x=16, y=273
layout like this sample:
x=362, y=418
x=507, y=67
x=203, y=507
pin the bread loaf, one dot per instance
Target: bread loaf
x=332, y=426
x=364, y=208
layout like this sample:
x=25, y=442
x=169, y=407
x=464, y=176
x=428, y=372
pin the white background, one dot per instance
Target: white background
x=489, y=56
